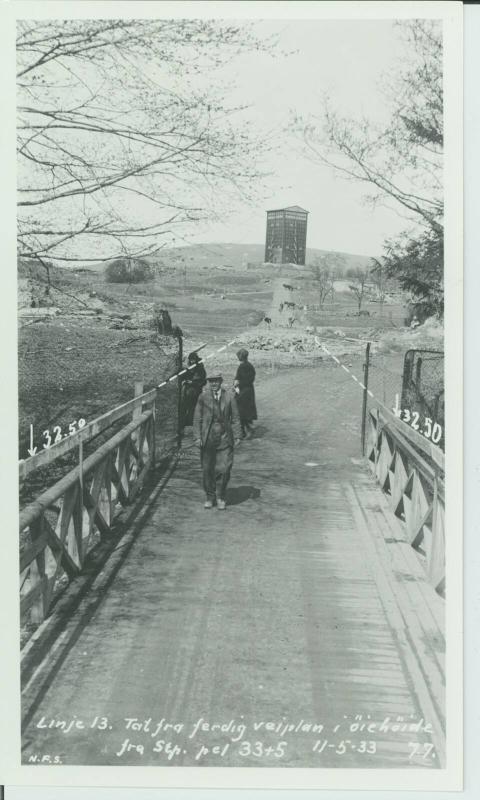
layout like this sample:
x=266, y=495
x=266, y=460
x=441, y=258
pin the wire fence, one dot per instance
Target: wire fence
x=385, y=375
x=411, y=384
x=423, y=389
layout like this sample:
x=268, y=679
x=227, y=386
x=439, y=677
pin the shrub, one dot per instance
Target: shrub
x=128, y=270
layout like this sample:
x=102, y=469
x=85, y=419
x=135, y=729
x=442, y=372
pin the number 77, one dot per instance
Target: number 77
x=415, y=749
x=428, y=746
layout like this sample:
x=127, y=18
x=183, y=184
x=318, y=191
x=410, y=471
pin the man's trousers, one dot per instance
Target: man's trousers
x=217, y=462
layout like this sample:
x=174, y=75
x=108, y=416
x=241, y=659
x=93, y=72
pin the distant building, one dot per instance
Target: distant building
x=286, y=239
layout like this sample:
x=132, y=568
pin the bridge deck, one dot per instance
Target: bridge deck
x=301, y=605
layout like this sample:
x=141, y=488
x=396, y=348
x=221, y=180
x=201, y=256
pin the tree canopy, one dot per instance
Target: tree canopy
x=400, y=163
x=124, y=132
x=358, y=277
x=417, y=263
x=326, y=269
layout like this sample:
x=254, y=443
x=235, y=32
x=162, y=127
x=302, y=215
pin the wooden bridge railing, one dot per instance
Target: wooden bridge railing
x=86, y=434
x=61, y=526
x=411, y=471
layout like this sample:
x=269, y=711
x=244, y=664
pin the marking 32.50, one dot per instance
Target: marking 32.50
x=57, y=433
x=427, y=427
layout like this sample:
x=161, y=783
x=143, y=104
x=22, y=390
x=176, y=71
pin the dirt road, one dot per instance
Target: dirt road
x=259, y=636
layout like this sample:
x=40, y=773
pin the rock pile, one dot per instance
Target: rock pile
x=285, y=344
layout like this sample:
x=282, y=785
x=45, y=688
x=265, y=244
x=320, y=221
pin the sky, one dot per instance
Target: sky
x=346, y=60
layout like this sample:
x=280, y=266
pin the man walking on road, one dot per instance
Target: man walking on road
x=216, y=428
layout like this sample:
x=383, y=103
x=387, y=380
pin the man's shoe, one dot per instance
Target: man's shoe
x=221, y=505
x=208, y=504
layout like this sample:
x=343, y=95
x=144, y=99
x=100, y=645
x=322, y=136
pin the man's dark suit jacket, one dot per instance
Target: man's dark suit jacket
x=203, y=418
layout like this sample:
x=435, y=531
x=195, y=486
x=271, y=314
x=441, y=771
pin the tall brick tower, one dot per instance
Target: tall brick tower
x=286, y=238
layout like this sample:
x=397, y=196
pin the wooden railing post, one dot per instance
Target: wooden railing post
x=153, y=436
x=179, y=391
x=364, y=405
x=137, y=392
x=53, y=550
x=136, y=436
x=411, y=470
x=137, y=408
x=38, y=576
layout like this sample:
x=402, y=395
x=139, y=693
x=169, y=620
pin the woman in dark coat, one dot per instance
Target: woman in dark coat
x=193, y=383
x=244, y=380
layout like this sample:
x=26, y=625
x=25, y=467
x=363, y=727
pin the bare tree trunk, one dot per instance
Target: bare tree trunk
x=46, y=267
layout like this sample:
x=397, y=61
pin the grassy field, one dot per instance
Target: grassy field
x=70, y=371
x=210, y=304
x=73, y=367
x=231, y=256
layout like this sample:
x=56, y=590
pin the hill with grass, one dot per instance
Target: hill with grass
x=225, y=255
x=237, y=256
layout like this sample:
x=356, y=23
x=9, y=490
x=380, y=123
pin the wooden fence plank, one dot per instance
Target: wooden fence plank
x=120, y=494
x=48, y=498
x=65, y=520
x=91, y=429
x=83, y=501
x=415, y=488
x=64, y=558
x=104, y=505
x=98, y=519
x=416, y=439
x=31, y=551
x=436, y=566
x=30, y=598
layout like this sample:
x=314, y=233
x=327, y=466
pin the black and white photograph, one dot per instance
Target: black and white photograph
x=238, y=285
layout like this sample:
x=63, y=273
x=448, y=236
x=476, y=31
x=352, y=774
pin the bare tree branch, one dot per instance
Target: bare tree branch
x=393, y=161
x=101, y=119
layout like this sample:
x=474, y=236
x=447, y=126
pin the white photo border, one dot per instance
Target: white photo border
x=448, y=779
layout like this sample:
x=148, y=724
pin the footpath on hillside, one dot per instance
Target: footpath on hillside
x=268, y=635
